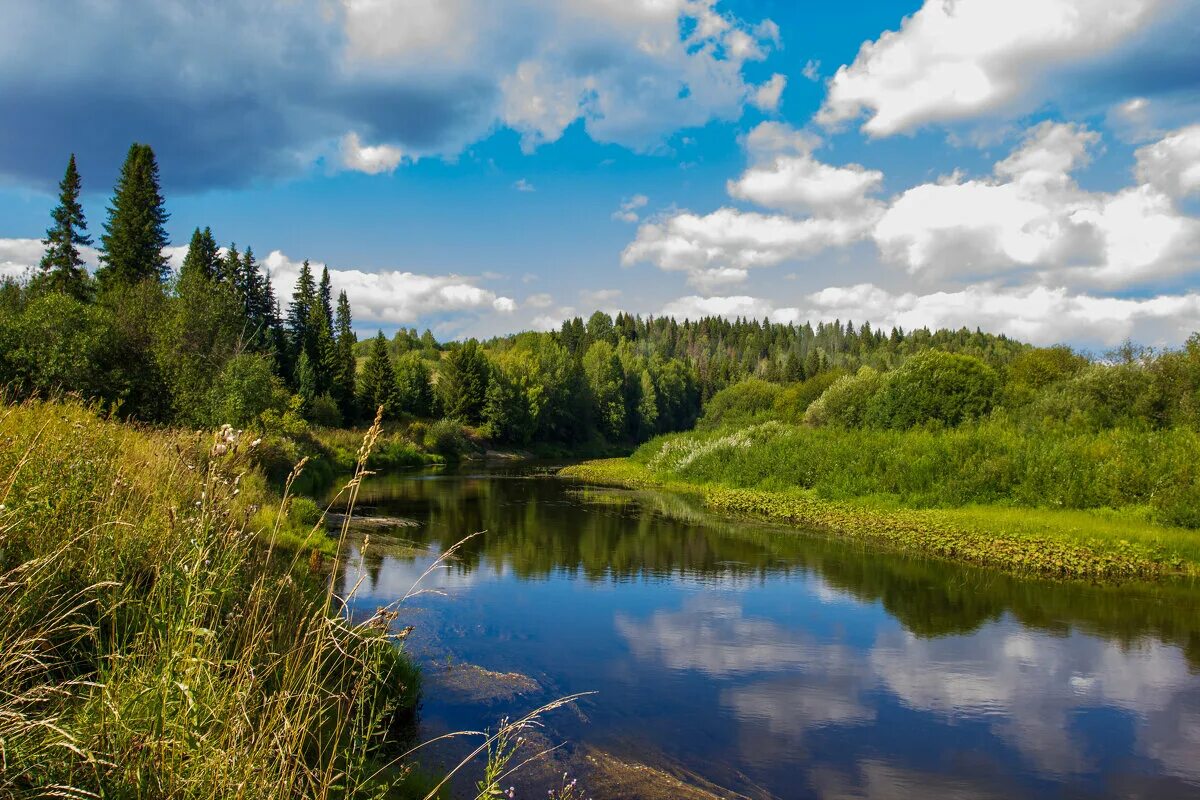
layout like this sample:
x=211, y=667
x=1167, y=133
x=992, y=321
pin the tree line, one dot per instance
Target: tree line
x=210, y=344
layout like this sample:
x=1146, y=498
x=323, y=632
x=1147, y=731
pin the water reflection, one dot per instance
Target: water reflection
x=778, y=664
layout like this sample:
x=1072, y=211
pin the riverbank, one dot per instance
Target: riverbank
x=1077, y=545
x=170, y=627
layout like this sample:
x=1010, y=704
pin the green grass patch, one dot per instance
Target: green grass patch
x=1073, y=544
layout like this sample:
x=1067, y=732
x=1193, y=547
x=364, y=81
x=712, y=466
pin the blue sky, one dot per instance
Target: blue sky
x=483, y=167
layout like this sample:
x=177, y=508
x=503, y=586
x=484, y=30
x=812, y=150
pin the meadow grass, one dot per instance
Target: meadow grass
x=729, y=472
x=165, y=635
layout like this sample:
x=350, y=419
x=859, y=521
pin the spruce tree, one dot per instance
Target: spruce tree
x=304, y=297
x=230, y=267
x=203, y=258
x=326, y=295
x=135, y=232
x=62, y=266
x=344, y=373
x=377, y=386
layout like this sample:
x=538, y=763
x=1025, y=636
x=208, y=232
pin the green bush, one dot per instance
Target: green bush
x=303, y=511
x=846, y=402
x=938, y=387
x=795, y=399
x=741, y=403
x=446, y=438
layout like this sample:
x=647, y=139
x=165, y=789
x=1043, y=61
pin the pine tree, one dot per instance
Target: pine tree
x=344, y=374
x=62, y=265
x=378, y=384
x=203, y=258
x=135, y=232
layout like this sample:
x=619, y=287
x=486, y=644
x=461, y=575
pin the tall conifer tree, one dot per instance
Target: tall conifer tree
x=203, y=257
x=62, y=265
x=326, y=293
x=135, y=232
x=378, y=383
x=344, y=374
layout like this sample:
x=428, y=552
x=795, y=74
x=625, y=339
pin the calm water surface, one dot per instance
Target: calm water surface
x=774, y=663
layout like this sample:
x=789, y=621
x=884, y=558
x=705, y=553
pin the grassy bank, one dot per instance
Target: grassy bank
x=1092, y=544
x=169, y=629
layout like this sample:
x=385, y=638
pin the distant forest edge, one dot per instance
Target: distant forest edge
x=210, y=345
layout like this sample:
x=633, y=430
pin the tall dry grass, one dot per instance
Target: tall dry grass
x=154, y=643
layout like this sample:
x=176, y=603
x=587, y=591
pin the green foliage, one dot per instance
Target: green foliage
x=848, y=400
x=377, y=384
x=135, y=232
x=463, y=383
x=794, y=400
x=935, y=386
x=62, y=266
x=446, y=438
x=344, y=372
x=414, y=386
x=743, y=402
x=245, y=390
x=605, y=381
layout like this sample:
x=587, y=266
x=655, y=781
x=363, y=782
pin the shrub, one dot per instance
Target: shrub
x=324, y=411
x=740, y=403
x=935, y=386
x=446, y=438
x=846, y=402
x=246, y=389
x=303, y=511
x=794, y=400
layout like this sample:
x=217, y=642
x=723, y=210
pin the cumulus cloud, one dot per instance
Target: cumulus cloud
x=392, y=296
x=721, y=246
x=365, y=83
x=1029, y=219
x=371, y=159
x=629, y=208
x=1172, y=165
x=791, y=179
x=1032, y=215
x=768, y=95
x=955, y=59
x=522, y=185
x=18, y=257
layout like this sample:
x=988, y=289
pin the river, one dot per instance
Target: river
x=731, y=658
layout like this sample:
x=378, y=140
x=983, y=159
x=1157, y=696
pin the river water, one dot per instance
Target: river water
x=751, y=660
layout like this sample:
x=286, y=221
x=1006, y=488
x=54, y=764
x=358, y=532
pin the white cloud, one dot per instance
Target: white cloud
x=812, y=70
x=1032, y=216
x=19, y=256
x=371, y=159
x=727, y=242
x=767, y=95
x=695, y=307
x=540, y=300
x=522, y=185
x=955, y=59
x=617, y=66
x=392, y=296
x=628, y=210
x=1172, y=164
x=594, y=298
x=799, y=183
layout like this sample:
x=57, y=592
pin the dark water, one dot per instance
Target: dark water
x=774, y=663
